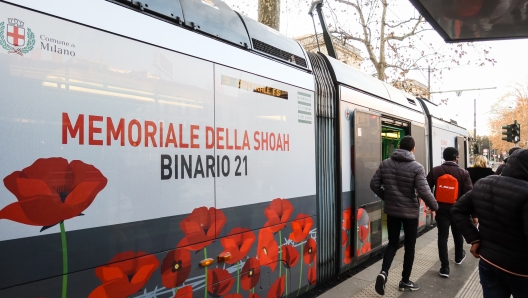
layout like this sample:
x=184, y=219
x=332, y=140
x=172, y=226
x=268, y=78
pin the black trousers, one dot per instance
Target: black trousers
x=444, y=219
x=410, y=228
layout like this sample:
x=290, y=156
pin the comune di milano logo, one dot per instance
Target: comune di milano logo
x=18, y=40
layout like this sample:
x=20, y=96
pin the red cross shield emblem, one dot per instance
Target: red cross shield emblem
x=16, y=36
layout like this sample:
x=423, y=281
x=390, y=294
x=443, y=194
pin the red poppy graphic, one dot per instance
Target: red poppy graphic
x=278, y=213
x=234, y=296
x=348, y=256
x=344, y=238
x=312, y=277
x=52, y=190
x=238, y=244
x=219, y=281
x=290, y=255
x=309, y=251
x=125, y=274
x=301, y=227
x=201, y=227
x=347, y=217
x=253, y=295
x=268, y=249
x=366, y=248
x=185, y=292
x=250, y=275
x=175, y=268
x=277, y=288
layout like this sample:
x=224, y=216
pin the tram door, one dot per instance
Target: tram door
x=367, y=158
x=420, y=154
x=461, y=145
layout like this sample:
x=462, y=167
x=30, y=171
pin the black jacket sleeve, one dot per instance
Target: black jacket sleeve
x=423, y=189
x=525, y=219
x=375, y=184
x=461, y=211
x=467, y=185
x=430, y=180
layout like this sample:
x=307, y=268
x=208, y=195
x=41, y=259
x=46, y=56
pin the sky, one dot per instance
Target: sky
x=511, y=66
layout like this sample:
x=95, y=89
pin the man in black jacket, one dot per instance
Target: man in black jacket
x=396, y=181
x=501, y=242
x=501, y=167
x=443, y=215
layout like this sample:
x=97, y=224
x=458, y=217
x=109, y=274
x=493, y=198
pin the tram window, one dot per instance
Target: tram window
x=392, y=131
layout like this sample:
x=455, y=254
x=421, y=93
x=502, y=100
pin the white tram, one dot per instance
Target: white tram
x=179, y=149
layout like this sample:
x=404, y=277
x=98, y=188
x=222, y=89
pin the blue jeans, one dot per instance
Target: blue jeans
x=497, y=283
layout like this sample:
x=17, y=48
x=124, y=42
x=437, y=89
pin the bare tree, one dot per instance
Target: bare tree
x=269, y=13
x=397, y=46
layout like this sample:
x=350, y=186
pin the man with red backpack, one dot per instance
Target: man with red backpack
x=449, y=182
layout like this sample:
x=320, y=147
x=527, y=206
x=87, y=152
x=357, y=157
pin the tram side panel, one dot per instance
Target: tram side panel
x=112, y=163
x=276, y=122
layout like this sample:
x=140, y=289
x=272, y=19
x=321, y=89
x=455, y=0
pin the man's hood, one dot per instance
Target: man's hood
x=517, y=165
x=402, y=155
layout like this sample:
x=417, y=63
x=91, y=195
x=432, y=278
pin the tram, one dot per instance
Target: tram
x=180, y=149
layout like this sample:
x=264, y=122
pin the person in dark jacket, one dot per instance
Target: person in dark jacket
x=479, y=169
x=501, y=242
x=397, y=181
x=443, y=215
x=501, y=167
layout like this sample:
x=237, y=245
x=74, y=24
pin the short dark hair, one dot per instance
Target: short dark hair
x=513, y=150
x=450, y=153
x=407, y=143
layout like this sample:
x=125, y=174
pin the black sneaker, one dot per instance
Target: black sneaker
x=381, y=280
x=408, y=286
x=444, y=272
x=459, y=261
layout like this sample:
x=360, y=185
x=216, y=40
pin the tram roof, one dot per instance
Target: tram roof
x=476, y=20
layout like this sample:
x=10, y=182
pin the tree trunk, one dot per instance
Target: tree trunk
x=269, y=13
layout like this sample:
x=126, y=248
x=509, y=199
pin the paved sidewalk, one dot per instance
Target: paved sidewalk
x=463, y=281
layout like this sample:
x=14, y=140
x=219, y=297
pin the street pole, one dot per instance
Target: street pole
x=475, y=118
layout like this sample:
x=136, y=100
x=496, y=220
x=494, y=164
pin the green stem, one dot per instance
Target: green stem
x=238, y=276
x=307, y=286
x=286, y=273
x=64, y=261
x=205, y=257
x=300, y=274
x=280, y=252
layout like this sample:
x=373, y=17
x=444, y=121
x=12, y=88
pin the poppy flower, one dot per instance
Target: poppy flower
x=277, y=288
x=268, y=249
x=309, y=251
x=175, y=268
x=238, y=244
x=363, y=225
x=365, y=248
x=234, y=296
x=124, y=275
x=250, y=275
x=301, y=227
x=348, y=256
x=201, y=227
x=290, y=255
x=347, y=216
x=312, y=277
x=344, y=238
x=253, y=295
x=185, y=292
x=278, y=213
x=52, y=190
x=219, y=281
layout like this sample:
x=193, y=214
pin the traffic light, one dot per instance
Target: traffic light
x=475, y=149
x=516, y=132
x=507, y=131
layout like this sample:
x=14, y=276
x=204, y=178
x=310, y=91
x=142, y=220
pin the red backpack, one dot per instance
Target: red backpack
x=446, y=189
